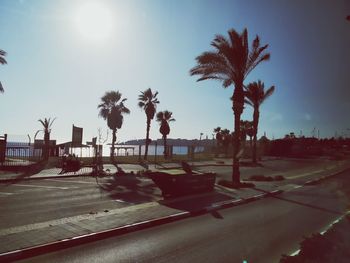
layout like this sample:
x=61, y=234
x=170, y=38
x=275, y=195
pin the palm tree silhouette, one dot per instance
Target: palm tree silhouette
x=226, y=139
x=231, y=62
x=148, y=102
x=255, y=95
x=111, y=109
x=47, y=123
x=2, y=62
x=164, y=117
x=218, y=137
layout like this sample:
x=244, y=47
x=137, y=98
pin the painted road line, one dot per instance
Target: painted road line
x=69, y=181
x=295, y=253
x=297, y=186
x=322, y=233
x=3, y=193
x=44, y=186
x=304, y=174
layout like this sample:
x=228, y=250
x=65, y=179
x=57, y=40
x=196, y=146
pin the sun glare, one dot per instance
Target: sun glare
x=94, y=21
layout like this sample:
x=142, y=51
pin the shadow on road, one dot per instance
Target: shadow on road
x=327, y=210
x=131, y=189
x=195, y=203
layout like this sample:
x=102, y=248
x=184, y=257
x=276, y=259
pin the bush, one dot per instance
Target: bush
x=229, y=184
x=263, y=178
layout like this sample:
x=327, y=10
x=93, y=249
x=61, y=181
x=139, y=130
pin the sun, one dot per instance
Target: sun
x=94, y=21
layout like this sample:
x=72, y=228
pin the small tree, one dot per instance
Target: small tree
x=247, y=130
x=226, y=139
x=46, y=123
x=112, y=109
x=164, y=117
x=2, y=62
x=148, y=102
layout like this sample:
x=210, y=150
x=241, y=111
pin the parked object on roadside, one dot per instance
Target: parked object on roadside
x=70, y=163
x=177, y=182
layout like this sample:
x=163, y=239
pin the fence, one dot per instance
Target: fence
x=156, y=152
x=18, y=153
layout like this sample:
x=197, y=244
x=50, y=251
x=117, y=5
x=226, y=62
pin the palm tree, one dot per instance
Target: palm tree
x=247, y=130
x=164, y=117
x=226, y=139
x=111, y=109
x=2, y=62
x=148, y=102
x=47, y=123
x=231, y=62
x=218, y=138
x=255, y=95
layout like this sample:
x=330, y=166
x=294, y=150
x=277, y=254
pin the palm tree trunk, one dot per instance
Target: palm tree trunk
x=147, y=137
x=165, y=147
x=255, y=123
x=46, y=146
x=114, y=138
x=251, y=144
x=238, y=103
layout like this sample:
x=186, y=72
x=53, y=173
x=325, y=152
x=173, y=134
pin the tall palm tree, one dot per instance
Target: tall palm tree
x=148, y=102
x=231, y=62
x=46, y=123
x=164, y=117
x=2, y=62
x=255, y=95
x=112, y=109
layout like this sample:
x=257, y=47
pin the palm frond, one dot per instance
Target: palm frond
x=268, y=93
x=2, y=55
x=141, y=104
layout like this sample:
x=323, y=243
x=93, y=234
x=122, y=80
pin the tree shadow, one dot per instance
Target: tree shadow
x=131, y=188
x=195, y=203
x=25, y=171
x=302, y=203
x=216, y=214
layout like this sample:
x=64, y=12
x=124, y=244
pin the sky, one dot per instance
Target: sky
x=63, y=55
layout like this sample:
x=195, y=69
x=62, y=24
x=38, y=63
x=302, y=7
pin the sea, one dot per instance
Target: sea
x=26, y=149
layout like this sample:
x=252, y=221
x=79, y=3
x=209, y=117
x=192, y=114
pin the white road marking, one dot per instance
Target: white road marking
x=3, y=193
x=295, y=253
x=44, y=186
x=304, y=174
x=68, y=181
x=297, y=186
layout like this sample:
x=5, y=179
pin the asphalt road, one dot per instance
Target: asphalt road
x=256, y=232
x=28, y=202
x=34, y=201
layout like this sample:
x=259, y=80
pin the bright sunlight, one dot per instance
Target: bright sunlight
x=94, y=21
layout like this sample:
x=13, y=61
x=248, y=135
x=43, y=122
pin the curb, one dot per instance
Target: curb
x=83, y=239
x=329, y=227
x=322, y=178
x=37, y=178
x=9, y=180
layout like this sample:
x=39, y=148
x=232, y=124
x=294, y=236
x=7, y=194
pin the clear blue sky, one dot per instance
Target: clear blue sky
x=58, y=68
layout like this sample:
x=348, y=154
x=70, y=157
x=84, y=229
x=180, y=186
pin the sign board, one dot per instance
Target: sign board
x=3, y=148
x=77, y=136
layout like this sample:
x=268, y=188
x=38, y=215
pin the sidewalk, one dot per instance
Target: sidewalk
x=17, y=241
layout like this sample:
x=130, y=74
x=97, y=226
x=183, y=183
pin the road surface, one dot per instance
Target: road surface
x=256, y=232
